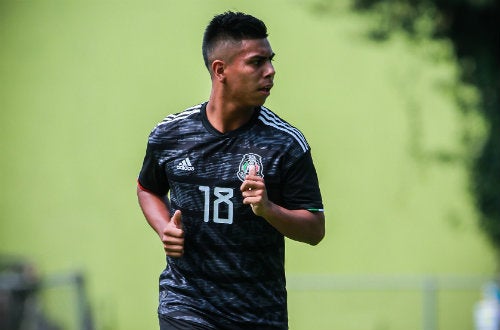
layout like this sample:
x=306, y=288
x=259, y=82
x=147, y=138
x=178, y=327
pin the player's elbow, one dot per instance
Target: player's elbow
x=318, y=237
x=318, y=232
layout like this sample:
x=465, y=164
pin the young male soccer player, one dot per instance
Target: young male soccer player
x=239, y=179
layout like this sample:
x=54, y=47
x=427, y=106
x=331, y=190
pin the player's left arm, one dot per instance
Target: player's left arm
x=300, y=225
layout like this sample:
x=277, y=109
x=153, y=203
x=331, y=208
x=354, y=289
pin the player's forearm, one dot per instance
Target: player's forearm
x=155, y=210
x=299, y=225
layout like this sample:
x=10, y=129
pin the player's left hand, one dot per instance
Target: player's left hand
x=254, y=192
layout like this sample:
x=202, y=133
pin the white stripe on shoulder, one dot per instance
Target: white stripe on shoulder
x=181, y=115
x=270, y=119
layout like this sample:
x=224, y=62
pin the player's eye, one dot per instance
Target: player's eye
x=261, y=61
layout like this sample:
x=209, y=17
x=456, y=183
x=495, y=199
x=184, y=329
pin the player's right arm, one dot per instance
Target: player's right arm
x=157, y=214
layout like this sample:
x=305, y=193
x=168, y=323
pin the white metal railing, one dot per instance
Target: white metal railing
x=428, y=285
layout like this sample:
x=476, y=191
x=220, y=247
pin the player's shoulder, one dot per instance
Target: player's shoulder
x=282, y=129
x=176, y=119
x=180, y=116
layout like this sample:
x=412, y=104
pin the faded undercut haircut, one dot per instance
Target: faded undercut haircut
x=230, y=27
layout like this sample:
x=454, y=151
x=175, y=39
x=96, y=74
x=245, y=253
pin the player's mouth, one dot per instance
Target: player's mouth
x=266, y=89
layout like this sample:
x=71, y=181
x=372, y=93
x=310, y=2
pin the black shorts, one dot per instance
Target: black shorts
x=169, y=323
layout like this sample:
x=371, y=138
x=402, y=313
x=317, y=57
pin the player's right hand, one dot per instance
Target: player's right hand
x=173, y=236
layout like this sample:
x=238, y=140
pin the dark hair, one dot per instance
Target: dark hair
x=233, y=27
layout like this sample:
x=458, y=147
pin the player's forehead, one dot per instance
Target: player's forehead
x=255, y=48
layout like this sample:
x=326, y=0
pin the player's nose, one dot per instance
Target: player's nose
x=269, y=71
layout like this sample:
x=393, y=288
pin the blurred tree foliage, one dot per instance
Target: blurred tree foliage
x=473, y=26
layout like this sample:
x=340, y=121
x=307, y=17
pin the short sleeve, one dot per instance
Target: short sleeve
x=301, y=187
x=152, y=176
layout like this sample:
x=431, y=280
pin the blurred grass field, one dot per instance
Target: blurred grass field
x=82, y=84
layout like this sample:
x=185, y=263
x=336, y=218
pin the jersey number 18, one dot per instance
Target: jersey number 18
x=221, y=202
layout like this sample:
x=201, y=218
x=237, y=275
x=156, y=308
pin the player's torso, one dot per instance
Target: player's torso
x=205, y=175
x=230, y=254
x=205, y=170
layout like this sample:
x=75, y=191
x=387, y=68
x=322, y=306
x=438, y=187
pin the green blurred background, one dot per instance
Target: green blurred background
x=82, y=83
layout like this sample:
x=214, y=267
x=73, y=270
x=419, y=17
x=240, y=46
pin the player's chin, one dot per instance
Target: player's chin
x=264, y=93
x=254, y=102
x=259, y=101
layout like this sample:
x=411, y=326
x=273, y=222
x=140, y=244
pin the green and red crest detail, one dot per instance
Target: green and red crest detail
x=246, y=162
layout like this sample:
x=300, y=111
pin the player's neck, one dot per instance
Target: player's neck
x=227, y=116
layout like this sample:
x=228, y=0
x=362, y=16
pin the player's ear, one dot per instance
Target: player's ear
x=218, y=67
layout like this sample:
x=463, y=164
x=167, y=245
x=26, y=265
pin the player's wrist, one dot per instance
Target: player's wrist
x=269, y=211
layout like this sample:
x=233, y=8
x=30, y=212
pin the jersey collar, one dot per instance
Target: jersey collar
x=235, y=132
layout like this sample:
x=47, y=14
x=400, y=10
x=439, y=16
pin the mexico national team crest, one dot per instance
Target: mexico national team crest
x=246, y=161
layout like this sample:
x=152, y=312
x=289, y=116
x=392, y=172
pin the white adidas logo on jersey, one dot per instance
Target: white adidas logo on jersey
x=185, y=165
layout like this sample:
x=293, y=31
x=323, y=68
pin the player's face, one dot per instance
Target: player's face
x=250, y=73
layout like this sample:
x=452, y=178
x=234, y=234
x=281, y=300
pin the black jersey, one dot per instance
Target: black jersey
x=231, y=275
